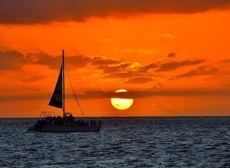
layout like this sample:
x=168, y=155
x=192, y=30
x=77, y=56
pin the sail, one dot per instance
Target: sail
x=56, y=99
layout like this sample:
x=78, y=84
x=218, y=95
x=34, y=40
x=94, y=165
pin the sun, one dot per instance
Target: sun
x=121, y=103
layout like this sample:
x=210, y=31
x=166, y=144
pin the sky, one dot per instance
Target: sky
x=173, y=57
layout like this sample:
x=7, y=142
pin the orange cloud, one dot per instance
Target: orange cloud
x=11, y=59
x=139, y=80
x=121, y=75
x=143, y=51
x=43, y=11
x=169, y=66
x=171, y=55
x=203, y=70
x=114, y=68
x=73, y=62
x=147, y=67
x=33, y=79
x=135, y=94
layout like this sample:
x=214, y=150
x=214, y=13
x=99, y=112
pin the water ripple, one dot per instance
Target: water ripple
x=122, y=142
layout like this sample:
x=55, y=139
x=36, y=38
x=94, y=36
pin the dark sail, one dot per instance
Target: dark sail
x=56, y=99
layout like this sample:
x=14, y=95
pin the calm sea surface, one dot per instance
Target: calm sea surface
x=122, y=142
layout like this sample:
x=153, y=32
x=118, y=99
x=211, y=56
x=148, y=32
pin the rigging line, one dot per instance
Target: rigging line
x=74, y=92
x=71, y=108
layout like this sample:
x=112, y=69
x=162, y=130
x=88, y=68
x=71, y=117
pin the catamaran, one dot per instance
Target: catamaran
x=49, y=123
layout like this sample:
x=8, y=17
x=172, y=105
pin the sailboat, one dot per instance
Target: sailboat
x=66, y=123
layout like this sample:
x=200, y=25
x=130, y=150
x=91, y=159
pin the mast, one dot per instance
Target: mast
x=63, y=83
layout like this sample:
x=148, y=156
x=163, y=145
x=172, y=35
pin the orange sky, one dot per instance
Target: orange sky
x=173, y=58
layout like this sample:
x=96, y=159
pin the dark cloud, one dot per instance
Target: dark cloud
x=99, y=94
x=226, y=61
x=138, y=75
x=43, y=11
x=72, y=62
x=135, y=94
x=121, y=75
x=169, y=66
x=203, y=70
x=25, y=98
x=147, y=67
x=113, y=68
x=99, y=60
x=44, y=59
x=139, y=80
x=170, y=55
x=11, y=59
x=78, y=61
x=34, y=79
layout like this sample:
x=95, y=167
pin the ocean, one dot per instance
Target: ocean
x=122, y=142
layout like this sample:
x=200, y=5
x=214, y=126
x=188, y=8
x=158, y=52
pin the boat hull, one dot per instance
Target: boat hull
x=55, y=128
x=31, y=129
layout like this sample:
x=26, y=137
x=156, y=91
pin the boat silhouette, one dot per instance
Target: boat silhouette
x=48, y=122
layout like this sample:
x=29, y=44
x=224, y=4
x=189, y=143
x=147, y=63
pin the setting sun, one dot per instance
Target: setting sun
x=121, y=103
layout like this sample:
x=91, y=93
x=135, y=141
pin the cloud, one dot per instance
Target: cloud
x=72, y=62
x=203, y=70
x=136, y=94
x=33, y=79
x=138, y=74
x=43, y=11
x=169, y=66
x=226, y=61
x=100, y=60
x=147, y=67
x=143, y=51
x=170, y=55
x=120, y=75
x=114, y=67
x=139, y=80
x=11, y=59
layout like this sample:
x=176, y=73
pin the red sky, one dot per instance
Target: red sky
x=172, y=56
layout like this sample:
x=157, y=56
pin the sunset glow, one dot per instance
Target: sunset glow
x=121, y=103
x=173, y=58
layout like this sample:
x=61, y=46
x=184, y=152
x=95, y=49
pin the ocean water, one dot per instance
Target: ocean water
x=122, y=142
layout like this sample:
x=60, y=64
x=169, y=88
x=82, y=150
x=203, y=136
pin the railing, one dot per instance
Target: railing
x=45, y=114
